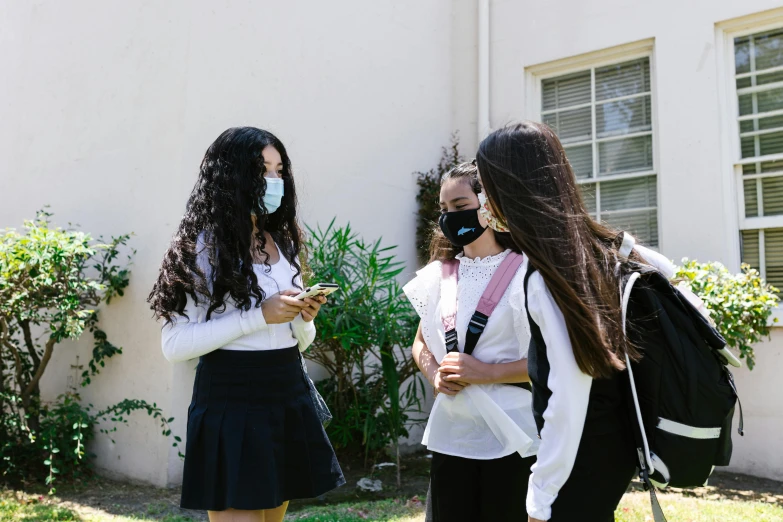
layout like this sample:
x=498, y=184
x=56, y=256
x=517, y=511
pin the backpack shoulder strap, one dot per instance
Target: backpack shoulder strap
x=497, y=286
x=448, y=301
x=626, y=247
x=499, y=283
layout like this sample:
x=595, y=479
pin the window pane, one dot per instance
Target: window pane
x=767, y=166
x=629, y=194
x=766, y=101
x=773, y=252
x=623, y=117
x=571, y=126
x=770, y=100
x=588, y=195
x=566, y=91
x=748, y=146
x=751, y=198
x=764, y=79
x=742, y=83
x=772, y=196
x=622, y=156
x=769, y=49
x=742, y=55
x=622, y=79
x=746, y=104
x=772, y=122
x=643, y=225
x=581, y=160
x=750, y=248
x=771, y=143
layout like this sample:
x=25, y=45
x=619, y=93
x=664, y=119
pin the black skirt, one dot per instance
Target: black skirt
x=254, y=439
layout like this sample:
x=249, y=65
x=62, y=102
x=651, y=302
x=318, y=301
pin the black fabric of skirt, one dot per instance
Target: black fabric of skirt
x=472, y=490
x=254, y=439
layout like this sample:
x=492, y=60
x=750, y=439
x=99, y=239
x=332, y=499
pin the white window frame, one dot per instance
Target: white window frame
x=732, y=161
x=537, y=74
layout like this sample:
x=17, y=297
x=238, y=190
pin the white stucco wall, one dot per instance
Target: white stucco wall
x=697, y=215
x=106, y=109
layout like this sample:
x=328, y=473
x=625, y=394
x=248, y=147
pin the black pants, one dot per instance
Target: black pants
x=604, y=467
x=472, y=490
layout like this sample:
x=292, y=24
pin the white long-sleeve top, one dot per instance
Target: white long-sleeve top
x=234, y=329
x=566, y=410
x=483, y=421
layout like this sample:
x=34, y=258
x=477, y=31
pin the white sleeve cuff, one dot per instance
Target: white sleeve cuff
x=539, y=502
x=252, y=320
x=303, y=331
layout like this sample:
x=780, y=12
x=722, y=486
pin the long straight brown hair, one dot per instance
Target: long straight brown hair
x=441, y=248
x=531, y=186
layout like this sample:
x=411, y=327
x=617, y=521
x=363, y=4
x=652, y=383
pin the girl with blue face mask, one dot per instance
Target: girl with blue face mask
x=226, y=292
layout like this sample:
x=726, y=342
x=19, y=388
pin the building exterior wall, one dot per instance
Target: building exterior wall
x=107, y=109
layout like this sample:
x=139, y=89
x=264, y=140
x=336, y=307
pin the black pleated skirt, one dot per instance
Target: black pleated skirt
x=254, y=439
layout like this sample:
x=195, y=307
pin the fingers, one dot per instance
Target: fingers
x=291, y=302
x=455, y=378
x=450, y=388
x=450, y=368
x=289, y=292
x=313, y=304
x=446, y=390
x=307, y=316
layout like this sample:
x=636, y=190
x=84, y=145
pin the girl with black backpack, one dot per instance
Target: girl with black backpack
x=471, y=344
x=577, y=354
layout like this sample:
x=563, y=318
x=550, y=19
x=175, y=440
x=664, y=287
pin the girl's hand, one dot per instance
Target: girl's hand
x=281, y=308
x=531, y=519
x=444, y=387
x=313, y=307
x=460, y=367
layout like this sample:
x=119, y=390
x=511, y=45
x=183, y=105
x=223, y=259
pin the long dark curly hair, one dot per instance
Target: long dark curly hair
x=218, y=224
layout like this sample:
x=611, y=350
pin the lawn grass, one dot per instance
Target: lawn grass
x=732, y=498
x=635, y=507
x=389, y=510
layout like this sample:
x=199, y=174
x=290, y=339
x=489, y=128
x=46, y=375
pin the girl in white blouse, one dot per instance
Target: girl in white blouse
x=481, y=429
x=576, y=359
x=226, y=291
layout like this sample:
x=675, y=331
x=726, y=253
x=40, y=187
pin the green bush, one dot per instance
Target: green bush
x=362, y=342
x=51, y=284
x=740, y=304
x=428, y=197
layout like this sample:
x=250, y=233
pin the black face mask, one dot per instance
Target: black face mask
x=462, y=227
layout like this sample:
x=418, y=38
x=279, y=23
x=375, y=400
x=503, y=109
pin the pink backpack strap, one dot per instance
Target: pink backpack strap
x=448, y=301
x=499, y=283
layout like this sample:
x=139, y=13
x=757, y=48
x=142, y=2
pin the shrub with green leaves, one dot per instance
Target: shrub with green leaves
x=363, y=337
x=740, y=304
x=52, y=282
x=428, y=197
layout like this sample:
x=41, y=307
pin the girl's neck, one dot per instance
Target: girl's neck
x=484, y=246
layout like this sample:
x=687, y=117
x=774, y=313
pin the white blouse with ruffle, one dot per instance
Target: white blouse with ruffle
x=483, y=421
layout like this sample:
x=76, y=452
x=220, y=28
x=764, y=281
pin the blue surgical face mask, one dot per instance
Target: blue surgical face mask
x=275, y=189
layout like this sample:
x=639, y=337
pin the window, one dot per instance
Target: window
x=758, y=77
x=603, y=116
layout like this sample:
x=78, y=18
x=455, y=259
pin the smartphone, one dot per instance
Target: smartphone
x=321, y=289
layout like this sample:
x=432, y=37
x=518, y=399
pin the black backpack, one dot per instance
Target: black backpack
x=682, y=394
